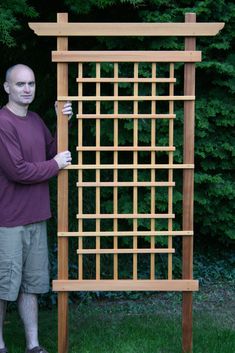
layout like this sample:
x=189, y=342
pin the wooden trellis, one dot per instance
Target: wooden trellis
x=190, y=29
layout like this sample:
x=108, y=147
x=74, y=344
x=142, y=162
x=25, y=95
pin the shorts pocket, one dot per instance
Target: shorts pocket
x=5, y=276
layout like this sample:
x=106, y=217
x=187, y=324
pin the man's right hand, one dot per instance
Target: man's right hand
x=63, y=159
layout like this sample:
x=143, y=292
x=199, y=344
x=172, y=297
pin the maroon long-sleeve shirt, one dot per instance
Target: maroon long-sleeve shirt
x=26, y=164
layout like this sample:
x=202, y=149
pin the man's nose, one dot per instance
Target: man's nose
x=26, y=88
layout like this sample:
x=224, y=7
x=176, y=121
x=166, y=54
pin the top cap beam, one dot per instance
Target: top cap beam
x=126, y=29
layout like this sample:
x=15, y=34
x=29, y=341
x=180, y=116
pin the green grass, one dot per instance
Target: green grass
x=149, y=324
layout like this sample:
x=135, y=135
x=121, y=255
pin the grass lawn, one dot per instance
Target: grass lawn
x=147, y=324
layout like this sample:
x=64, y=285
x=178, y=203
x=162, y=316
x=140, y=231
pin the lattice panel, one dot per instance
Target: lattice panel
x=125, y=89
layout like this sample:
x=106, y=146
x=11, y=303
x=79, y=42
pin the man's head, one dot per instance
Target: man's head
x=20, y=85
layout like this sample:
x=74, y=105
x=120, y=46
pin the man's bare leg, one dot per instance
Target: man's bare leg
x=3, y=307
x=28, y=310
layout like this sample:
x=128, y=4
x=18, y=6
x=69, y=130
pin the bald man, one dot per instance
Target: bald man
x=28, y=160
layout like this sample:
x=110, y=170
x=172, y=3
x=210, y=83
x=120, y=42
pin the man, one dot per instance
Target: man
x=28, y=160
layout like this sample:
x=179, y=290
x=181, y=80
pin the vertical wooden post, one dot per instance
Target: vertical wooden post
x=188, y=190
x=62, y=126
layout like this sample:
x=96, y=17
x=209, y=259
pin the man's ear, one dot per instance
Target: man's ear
x=6, y=87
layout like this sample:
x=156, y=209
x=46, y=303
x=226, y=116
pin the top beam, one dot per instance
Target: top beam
x=126, y=29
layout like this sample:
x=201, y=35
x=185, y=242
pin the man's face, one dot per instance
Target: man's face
x=21, y=86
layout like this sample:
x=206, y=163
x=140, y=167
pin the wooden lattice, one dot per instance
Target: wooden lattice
x=133, y=186
x=117, y=168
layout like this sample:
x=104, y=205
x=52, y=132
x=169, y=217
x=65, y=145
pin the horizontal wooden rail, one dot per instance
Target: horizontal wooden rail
x=127, y=233
x=125, y=80
x=129, y=166
x=125, y=285
x=125, y=116
x=124, y=98
x=125, y=216
x=126, y=29
x=125, y=183
x=126, y=56
x=126, y=148
x=124, y=251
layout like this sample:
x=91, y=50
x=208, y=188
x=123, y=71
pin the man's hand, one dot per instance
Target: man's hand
x=63, y=159
x=67, y=109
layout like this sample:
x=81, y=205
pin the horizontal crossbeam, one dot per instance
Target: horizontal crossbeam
x=125, y=98
x=125, y=285
x=125, y=216
x=126, y=148
x=125, y=251
x=125, y=80
x=127, y=233
x=125, y=184
x=126, y=29
x=130, y=166
x=125, y=116
x=126, y=56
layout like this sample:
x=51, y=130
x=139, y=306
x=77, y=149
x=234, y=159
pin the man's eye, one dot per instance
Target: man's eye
x=32, y=84
x=20, y=84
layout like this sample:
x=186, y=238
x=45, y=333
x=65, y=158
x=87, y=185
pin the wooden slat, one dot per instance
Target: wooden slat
x=135, y=171
x=126, y=285
x=124, y=183
x=62, y=145
x=126, y=148
x=125, y=98
x=125, y=251
x=125, y=80
x=97, y=174
x=127, y=233
x=188, y=194
x=126, y=29
x=126, y=56
x=80, y=172
x=126, y=116
x=131, y=166
x=188, y=176
x=125, y=216
x=153, y=173
x=115, y=173
x=62, y=195
x=170, y=171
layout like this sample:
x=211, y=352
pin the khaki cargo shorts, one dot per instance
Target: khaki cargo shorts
x=23, y=260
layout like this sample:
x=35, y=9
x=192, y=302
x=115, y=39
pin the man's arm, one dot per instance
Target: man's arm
x=18, y=170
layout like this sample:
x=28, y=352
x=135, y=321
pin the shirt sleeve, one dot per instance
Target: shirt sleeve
x=16, y=168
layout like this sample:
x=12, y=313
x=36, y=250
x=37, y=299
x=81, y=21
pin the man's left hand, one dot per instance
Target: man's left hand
x=67, y=109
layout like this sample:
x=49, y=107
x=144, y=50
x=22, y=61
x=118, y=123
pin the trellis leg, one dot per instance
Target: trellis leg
x=62, y=89
x=188, y=190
